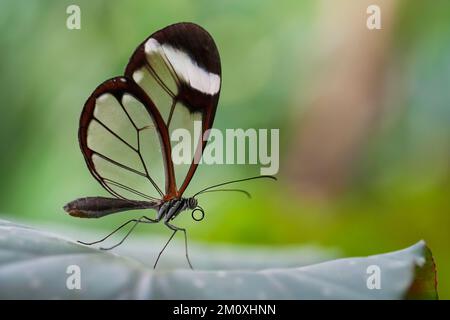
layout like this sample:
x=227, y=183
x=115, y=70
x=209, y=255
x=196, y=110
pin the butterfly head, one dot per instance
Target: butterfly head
x=192, y=203
x=197, y=212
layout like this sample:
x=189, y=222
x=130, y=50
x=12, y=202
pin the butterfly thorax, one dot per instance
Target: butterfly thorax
x=170, y=209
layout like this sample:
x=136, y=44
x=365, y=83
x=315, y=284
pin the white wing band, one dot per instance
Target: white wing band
x=186, y=69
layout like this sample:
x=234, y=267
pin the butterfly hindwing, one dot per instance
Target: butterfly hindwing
x=121, y=134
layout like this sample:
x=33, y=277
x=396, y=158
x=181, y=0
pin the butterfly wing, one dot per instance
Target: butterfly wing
x=121, y=136
x=179, y=69
x=172, y=80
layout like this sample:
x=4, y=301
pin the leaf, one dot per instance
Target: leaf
x=33, y=265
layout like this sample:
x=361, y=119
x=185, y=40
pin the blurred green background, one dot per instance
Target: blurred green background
x=363, y=116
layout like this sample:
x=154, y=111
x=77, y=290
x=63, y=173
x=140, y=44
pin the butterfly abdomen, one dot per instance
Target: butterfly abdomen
x=97, y=207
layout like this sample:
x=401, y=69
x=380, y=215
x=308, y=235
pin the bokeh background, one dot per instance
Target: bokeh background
x=363, y=116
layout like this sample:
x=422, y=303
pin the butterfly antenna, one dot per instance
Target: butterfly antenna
x=235, y=190
x=234, y=181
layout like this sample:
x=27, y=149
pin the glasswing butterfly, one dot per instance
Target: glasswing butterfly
x=172, y=79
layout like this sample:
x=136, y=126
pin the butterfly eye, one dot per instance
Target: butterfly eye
x=192, y=203
x=198, y=214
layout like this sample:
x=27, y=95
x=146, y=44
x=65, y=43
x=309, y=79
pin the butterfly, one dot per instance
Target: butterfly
x=172, y=80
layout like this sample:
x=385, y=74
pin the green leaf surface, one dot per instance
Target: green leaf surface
x=33, y=265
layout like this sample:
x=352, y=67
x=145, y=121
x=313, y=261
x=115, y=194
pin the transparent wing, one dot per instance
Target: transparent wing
x=178, y=67
x=121, y=135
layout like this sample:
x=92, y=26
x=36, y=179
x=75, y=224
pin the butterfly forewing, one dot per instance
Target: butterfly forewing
x=179, y=69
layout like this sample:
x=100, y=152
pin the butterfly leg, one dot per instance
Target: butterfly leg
x=117, y=229
x=164, y=248
x=175, y=229
x=136, y=222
